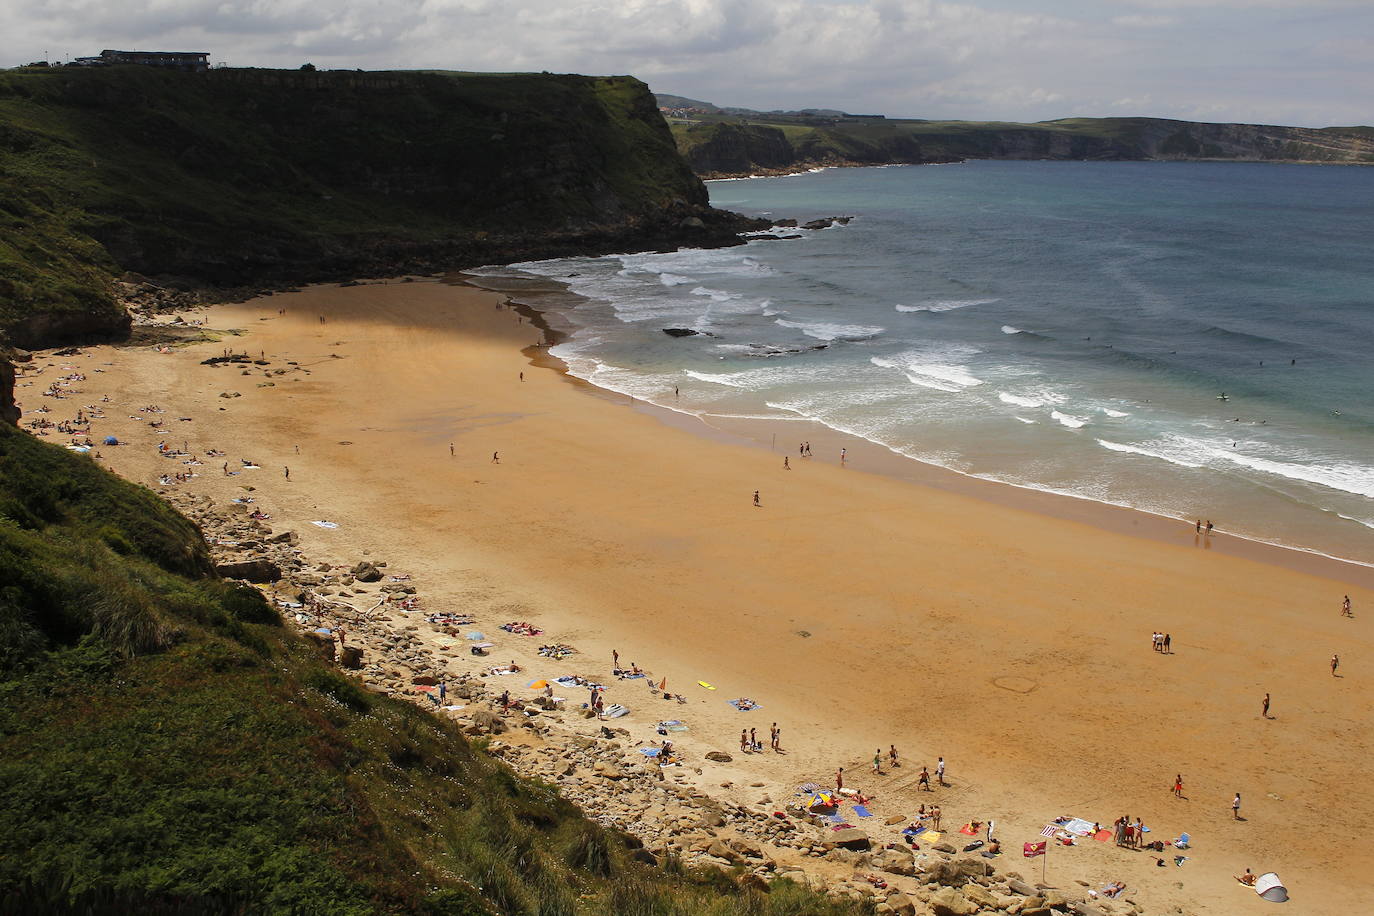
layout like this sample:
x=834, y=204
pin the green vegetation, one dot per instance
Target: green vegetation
x=236, y=178
x=167, y=747
x=724, y=141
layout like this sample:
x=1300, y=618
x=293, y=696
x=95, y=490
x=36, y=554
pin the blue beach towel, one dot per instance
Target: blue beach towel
x=651, y=751
x=861, y=811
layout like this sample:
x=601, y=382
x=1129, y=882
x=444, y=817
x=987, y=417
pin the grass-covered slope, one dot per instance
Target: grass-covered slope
x=239, y=177
x=724, y=143
x=166, y=746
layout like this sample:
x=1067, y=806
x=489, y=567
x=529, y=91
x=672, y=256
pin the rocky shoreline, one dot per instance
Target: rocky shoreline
x=368, y=617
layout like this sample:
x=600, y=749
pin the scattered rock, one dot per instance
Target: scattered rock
x=259, y=571
x=718, y=756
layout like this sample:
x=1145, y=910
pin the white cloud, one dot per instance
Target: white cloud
x=1242, y=59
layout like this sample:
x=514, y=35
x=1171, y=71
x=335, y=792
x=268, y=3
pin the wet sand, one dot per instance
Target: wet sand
x=860, y=609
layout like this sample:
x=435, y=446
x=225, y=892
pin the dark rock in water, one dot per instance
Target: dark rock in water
x=785, y=223
x=680, y=332
x=818, y=224
x=258, y=571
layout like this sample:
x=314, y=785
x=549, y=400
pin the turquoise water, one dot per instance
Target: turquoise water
x=1065, y=326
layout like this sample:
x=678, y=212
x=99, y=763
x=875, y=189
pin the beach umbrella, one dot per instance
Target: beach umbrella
x=822, y=800
x=111, y=440
x=1271, y=888
x=537, y=685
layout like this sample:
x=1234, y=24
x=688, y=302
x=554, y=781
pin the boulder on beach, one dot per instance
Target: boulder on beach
x=366, y=572
x=851, y=838
x=718, y=756
x=259, y=571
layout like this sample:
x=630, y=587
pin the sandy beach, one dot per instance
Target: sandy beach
x=861, y=610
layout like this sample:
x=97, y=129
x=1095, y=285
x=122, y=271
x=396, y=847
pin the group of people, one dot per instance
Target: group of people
x=1163, y=642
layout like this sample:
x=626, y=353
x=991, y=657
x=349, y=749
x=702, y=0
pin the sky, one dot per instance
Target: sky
x=1301, y=62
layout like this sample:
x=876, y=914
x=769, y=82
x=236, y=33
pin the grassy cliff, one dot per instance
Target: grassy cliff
x=167, y=747
x=235, y=178
x=718, y=143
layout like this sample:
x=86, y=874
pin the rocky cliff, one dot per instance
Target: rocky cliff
x=242, y=178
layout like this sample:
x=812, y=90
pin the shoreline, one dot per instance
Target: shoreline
x=858, y=609
x=880, y=459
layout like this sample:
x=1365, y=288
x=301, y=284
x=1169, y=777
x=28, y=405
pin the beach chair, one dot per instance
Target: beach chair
x=1182, y=841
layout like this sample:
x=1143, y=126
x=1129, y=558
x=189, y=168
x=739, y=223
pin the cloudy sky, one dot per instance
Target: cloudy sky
x=1304, y=62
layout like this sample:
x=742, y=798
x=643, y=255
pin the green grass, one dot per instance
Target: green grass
x=166, y=746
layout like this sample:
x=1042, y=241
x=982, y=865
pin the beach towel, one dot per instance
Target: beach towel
x=976, y=844
x=913, y=831
x=735, y=703
x=615, y=712
x=1102, y=836
x=842, y=826
x=931, y=836
x=325, y=630
x=706, y=685
x=325, y=524
x=833, y=818
x=861, y=811
x=451, y=708
x=1078, y=827
x=474, y=634
x=651, y=751
x=968, y=830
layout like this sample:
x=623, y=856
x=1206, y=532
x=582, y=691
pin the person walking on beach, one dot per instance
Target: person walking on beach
x=287, y=472
x=1167, y=642
x=1209, y=527
x=1178, y=786
x=754, y=741
x=522, y=376
x=1264, y=709
x=1345, y=607
x=1335, y=663
x=892, y=756
x=773, y=736
x=923, y=781
x=450, y=449
x=878, y=762
x=342, y=636
x=940, y=771
x=443, y=692
x=1199, y=526
x=842, y=454
x=495, y=457
x=935, y=817
x=1235, y=807
x=785, y=465
x=743, y=741
x=757, y=504
x=615, y=659
x=839, y=779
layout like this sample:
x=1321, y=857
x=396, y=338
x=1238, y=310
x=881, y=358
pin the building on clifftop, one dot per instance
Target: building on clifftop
x=187, y=61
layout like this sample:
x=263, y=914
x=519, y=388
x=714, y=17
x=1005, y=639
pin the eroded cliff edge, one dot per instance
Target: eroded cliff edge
x=236, y=179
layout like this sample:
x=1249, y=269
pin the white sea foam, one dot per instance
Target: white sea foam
x=1024, y=420
x=1148, y=453
x=944, y=305
x=1008, y=329
x=671, y=279
x=1344, y=476
x=1019, y=401
x=717, y=295
x=1113, y=413
x=937, y=369
x=1069, y=420
x=822, y=330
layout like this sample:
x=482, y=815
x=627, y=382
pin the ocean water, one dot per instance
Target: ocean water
x=1065, y=326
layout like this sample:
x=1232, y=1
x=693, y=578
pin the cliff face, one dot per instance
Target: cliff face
x=239, y=178
x=718, y=148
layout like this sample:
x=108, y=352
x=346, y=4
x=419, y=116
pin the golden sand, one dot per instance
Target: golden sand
x=860, y=610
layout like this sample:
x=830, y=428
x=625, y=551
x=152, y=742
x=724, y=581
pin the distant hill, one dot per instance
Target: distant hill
x=731, y=142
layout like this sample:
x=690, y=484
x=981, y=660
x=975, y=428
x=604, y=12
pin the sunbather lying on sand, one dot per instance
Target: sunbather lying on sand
x=1114, y=889
x=1248, y=879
